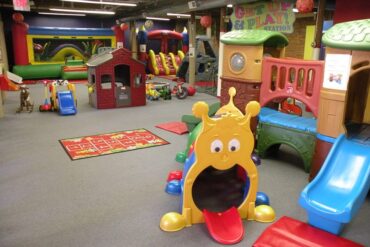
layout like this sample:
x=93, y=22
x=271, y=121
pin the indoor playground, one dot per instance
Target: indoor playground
x=185, y=123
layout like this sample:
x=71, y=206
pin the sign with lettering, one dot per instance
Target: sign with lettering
x=272, y=16
x=21, y=5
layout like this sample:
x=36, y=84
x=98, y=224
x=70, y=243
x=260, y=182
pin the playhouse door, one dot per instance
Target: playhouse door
x=123, y=95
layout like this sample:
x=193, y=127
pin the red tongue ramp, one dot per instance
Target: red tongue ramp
x=225, y=227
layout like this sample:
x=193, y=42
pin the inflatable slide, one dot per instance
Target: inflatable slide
x=164, y=64
x=336, y=194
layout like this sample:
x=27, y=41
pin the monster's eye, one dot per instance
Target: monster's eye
x=216, y=146
x=234, y=145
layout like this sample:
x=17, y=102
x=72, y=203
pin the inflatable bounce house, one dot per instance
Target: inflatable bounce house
x=46, y=52
x=115, y=79
x=222, y=153
x=169, y=58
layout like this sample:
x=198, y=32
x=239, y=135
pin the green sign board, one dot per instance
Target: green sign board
x=272, y=16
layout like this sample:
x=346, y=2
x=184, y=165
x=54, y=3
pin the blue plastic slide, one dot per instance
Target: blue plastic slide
x=66, y=103
x=338, y=191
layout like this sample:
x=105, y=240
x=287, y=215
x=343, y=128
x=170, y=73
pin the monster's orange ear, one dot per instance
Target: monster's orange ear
x=252, y=108
x=200, y=110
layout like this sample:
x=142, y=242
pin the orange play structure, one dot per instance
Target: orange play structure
x=7, y=84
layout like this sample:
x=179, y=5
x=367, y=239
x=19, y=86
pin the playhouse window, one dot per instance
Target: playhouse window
x=106, y=82
x=92, y=79
x=237, y=62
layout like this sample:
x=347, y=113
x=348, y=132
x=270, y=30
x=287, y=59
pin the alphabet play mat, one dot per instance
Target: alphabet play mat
x=116, y=142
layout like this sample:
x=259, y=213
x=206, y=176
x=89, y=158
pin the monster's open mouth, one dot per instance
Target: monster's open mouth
x=219, y=190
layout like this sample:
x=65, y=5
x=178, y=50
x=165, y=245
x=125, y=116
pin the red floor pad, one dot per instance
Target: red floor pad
x=179, y=128
x=293, y=233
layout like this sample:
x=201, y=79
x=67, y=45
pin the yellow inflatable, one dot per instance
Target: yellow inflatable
x=61, y=55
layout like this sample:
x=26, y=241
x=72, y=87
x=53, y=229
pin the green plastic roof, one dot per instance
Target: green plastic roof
x=255, y=37
x=353, y=35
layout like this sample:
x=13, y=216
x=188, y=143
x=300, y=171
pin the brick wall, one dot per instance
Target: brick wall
x=297, y=38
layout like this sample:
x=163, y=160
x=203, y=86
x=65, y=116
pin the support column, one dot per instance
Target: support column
x=133, y=40
x=220, y=50
x=318, y=29
x=192, y=51
x=209, y=32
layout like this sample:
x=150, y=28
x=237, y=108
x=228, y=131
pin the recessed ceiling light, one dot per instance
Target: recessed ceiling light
x=99, y=12
x=178, y=15
x=56, y=13
x=157, y=18
x=102, y=2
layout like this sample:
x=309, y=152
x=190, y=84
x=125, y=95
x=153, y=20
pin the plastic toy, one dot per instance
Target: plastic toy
x=25, y=100
x=165, y=92
x=64, y=102
x=271, y=81
x=151, y=92
x=116, y=80
x=222, y=143
x=179, y=90
x=9, y=81
x=192, y=122
x=349, y=56
x=336, y=194
x=191, y=91
x=47, y=105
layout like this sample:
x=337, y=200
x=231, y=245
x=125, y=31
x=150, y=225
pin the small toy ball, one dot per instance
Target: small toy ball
x=262, y=199
x=264, y=213
x=123, y=26
x=173, y=187
x=191, y=149
x=256, y=159
x=18, y=17
x=174, y=175
x=191, y=91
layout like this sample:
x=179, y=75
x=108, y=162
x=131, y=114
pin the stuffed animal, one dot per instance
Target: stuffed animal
x=25, y=100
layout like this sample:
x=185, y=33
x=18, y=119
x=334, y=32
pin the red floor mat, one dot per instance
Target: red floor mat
x=293, y=233
x=175, y=127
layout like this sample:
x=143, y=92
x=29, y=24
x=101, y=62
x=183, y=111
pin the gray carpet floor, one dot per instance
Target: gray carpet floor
x=116, y=200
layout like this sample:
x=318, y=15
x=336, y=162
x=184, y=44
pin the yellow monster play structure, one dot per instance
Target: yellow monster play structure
x=223, y=146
